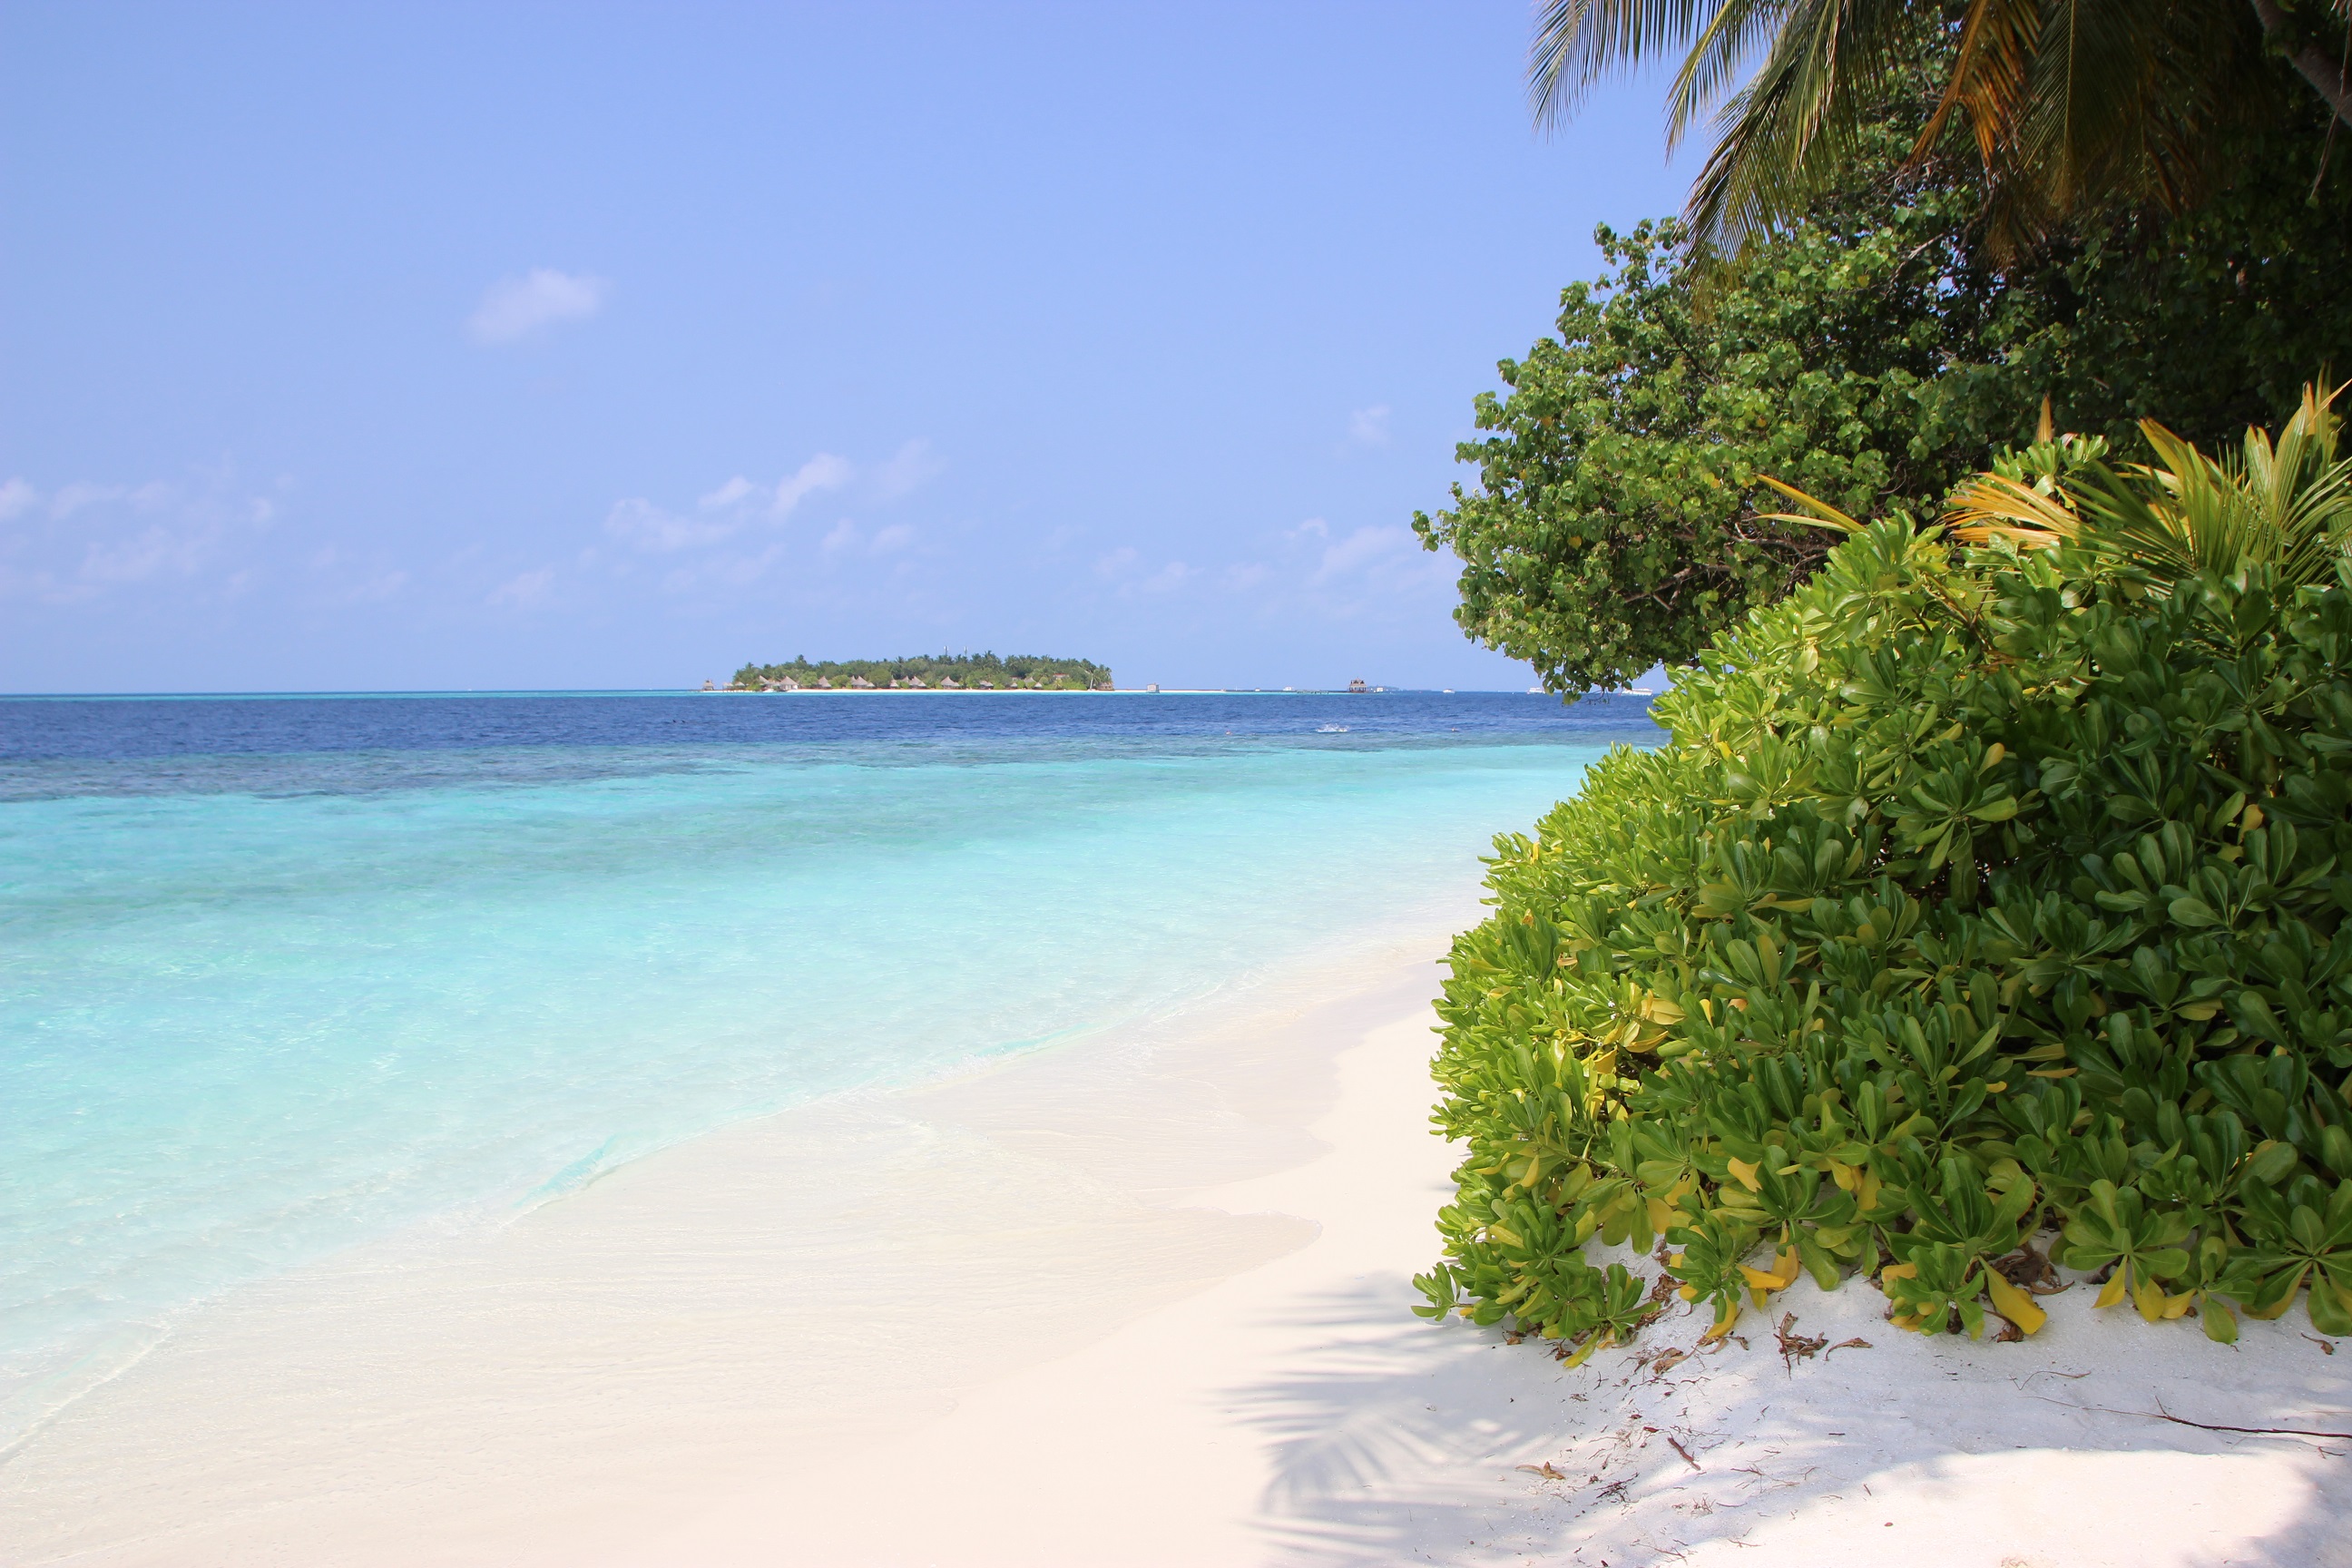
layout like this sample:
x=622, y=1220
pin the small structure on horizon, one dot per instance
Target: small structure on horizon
x=1358, y=686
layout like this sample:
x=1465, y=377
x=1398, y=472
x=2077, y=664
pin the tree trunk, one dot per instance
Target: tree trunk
x=2324, y=75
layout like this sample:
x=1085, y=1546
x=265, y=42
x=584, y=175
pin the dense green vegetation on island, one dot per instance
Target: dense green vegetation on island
x=1974, y=895
x=946, y=672
x=1989, y=910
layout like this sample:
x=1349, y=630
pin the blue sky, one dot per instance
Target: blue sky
x=419, y=346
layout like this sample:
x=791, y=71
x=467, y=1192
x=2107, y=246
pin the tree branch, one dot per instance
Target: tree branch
x=2324, y=75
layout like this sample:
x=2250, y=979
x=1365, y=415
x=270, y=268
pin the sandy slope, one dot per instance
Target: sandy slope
x=1128, y=1304
x=1297, y=1415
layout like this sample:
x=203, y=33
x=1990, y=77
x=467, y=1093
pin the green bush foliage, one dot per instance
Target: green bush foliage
x=1873, y=355
x=1972, y=896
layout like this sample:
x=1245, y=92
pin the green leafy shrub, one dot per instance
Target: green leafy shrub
x=1972, y=894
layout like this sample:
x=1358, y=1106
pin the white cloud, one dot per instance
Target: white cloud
x=1361, y=549
x=740, y=505
x=377, y=588
x=911, y=466
x=725, y=570
x=145, y=554
x=846, y=536
x=81, y=494
x=1126, y=566
x=1369, y=426
x=822, y=472
x=91, y=538
x=727, y=494
x=1314, y=525
x=524, y=589
x=638, y=522
x=354, y=582
x=515, y=306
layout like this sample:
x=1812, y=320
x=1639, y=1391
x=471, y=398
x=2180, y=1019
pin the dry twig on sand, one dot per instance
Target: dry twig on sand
x=1796, y=1347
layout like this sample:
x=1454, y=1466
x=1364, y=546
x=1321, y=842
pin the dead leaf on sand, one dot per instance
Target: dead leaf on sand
x=1847, y=1345
x=1796, y=1347
x=1546, y=1470
x=1666, y=1361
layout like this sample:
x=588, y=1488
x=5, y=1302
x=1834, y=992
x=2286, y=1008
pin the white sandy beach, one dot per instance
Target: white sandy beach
x=1133, y=1300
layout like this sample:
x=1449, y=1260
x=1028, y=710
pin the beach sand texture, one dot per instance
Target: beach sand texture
x=1129, y=1301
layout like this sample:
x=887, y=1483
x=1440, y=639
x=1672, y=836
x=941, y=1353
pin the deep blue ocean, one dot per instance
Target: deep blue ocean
x=280, y=973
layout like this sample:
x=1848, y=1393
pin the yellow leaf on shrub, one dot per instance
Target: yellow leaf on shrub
x=2117, y=1283
x=2014, y=1304
x=1869, y=1194
x=2155, y=1305
x=1744, y=1170
x=1782, y=1275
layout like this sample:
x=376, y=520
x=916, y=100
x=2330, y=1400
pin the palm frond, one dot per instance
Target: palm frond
x=2286, y=505
x=1580, y=42
x=2063, y=102
x=1781, y=139
x=1819, y=513
x=1721, y=54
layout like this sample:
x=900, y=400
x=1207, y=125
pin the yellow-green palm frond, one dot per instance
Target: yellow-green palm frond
x=2286, y=505
x=1994, y=506
x=1818, y=513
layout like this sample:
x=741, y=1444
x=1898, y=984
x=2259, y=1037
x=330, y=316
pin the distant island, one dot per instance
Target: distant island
x=943, y=672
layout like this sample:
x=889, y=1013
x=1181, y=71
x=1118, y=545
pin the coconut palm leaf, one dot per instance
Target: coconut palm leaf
x=2064, y=101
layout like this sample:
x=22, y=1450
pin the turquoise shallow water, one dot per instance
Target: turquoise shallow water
x=265, y=999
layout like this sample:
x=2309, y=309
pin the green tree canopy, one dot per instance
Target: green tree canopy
x=1871, y=355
